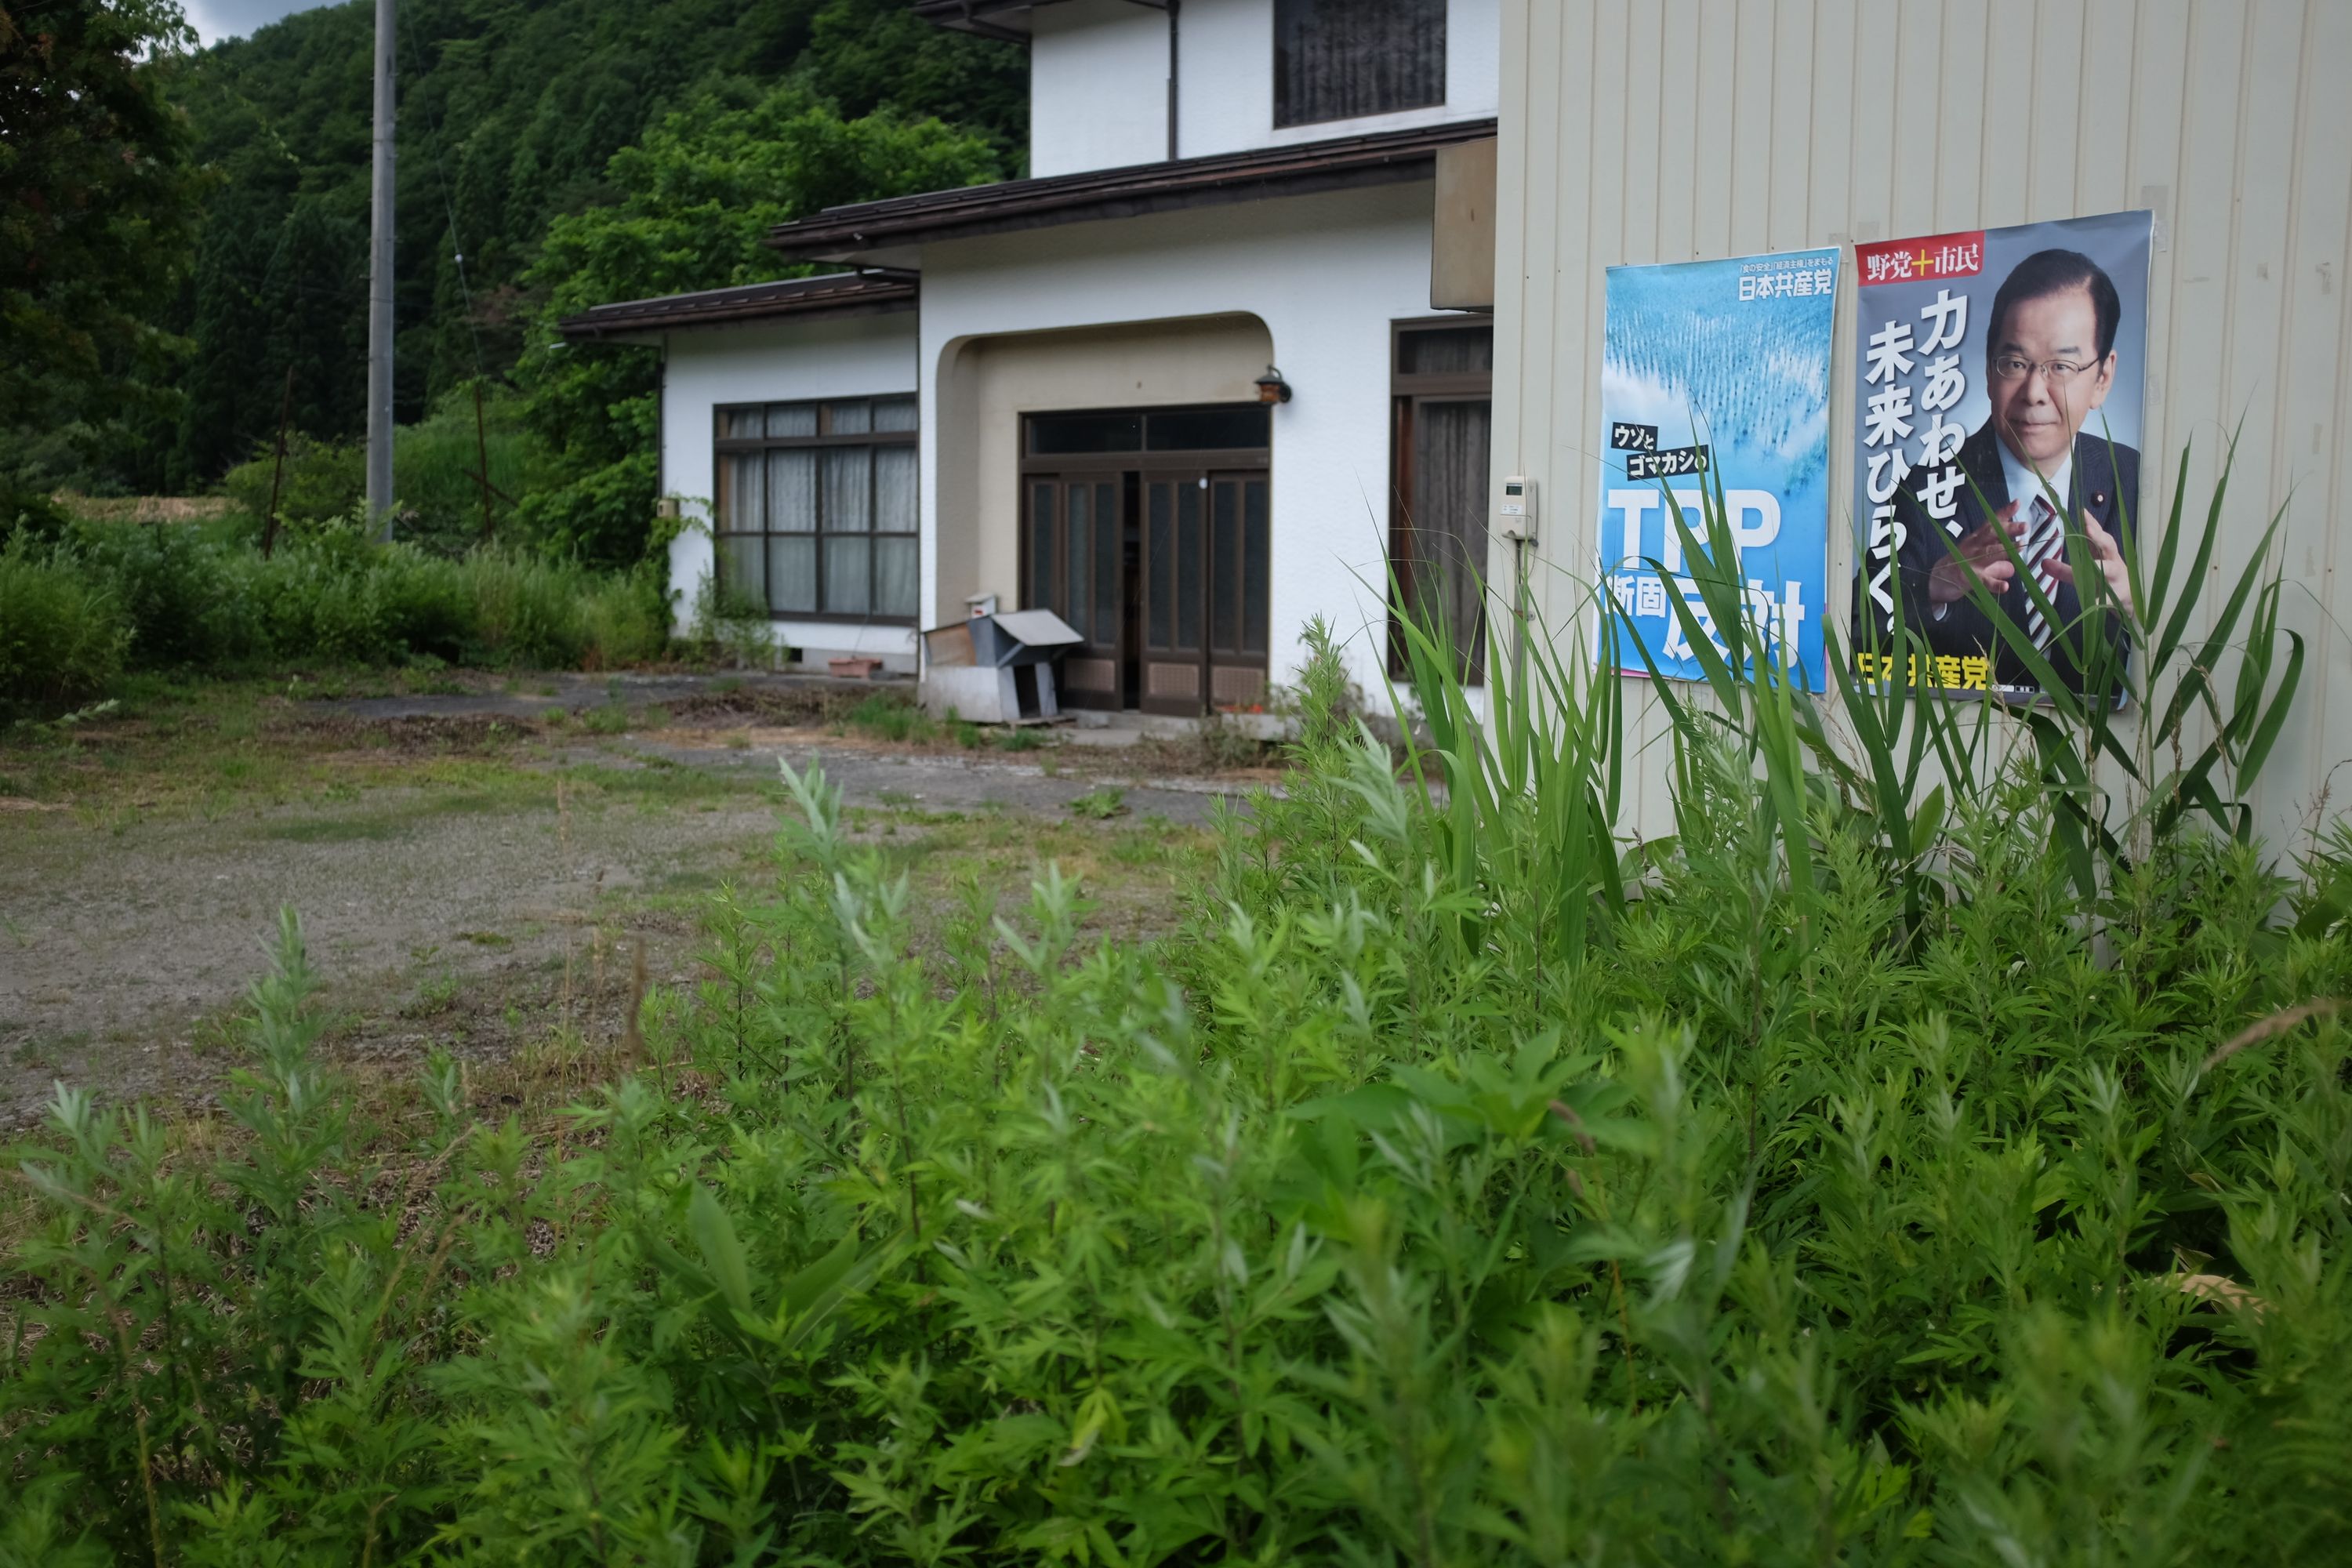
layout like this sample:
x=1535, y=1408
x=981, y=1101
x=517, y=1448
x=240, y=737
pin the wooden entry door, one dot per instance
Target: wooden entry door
x=1074, y=536
x=1207, y=565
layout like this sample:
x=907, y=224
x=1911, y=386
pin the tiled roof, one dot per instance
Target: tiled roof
x=834, y=294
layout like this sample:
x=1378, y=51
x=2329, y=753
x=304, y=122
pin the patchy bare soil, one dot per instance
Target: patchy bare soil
x=478, y=875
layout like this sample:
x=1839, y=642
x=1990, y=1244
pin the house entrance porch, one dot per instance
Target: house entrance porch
x=1149, y=531
x=1120, y=477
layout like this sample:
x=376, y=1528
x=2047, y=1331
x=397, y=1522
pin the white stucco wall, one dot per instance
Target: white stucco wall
x=1098, y=86
x=708, y=367
x=1225, y=102
x=1099, y=82
x=1326, y=273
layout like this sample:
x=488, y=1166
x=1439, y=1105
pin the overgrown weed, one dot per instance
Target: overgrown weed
x=1461, y=1184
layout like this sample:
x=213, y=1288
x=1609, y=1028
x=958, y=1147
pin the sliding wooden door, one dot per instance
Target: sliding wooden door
x=1073, y=541
x=1206, y=564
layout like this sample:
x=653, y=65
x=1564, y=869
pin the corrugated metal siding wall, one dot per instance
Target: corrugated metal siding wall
x=1670, y=129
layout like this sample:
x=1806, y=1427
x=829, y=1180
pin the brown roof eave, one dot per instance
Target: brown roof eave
x=868, y=294
x=1219, y=179
x=978, y=15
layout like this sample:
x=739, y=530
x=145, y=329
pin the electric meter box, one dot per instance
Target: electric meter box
x=1515, y=512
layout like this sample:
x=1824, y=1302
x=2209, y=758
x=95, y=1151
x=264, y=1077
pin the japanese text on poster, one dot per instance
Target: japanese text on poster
x=1997, y=418
x=1718, y=373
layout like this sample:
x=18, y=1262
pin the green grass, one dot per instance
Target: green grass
x=888, y=716
x=1834, y=1181
x=1100, y=804
x=217, y=747
x=612, y=719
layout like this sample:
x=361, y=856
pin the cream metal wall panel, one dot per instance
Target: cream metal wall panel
x=1683, y=129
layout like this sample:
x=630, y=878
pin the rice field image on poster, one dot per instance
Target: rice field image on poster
x=1718, y=373
x=1997, y=411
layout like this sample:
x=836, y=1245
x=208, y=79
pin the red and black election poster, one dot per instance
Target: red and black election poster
x=1997, y=459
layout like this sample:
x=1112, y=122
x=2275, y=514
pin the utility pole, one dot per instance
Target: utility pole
x=379, y=369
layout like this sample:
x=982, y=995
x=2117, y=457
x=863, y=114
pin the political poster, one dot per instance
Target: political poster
x=1998, y=410
x=1718, y=373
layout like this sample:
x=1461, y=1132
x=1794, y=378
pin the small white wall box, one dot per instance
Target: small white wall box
x=996, y=668
x=1516, y=511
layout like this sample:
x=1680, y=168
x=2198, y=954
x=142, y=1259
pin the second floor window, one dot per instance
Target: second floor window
x=1339, y=59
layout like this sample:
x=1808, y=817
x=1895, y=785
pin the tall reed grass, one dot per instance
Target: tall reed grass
x=1461, y=1184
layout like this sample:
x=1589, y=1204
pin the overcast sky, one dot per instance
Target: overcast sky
x=218, y=19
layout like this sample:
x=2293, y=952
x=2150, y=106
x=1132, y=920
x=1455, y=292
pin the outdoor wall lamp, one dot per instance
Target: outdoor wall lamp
x=1271, y=388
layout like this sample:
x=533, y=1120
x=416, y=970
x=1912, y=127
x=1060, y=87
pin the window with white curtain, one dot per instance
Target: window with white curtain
x=816, y=507
x=1442, y=376
x=1340, y=60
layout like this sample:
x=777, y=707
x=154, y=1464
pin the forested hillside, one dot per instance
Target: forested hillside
x=511, y=114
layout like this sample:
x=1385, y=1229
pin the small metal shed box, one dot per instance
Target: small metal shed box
x=996, y=668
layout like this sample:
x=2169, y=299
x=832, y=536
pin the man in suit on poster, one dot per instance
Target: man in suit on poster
x=2049, y=362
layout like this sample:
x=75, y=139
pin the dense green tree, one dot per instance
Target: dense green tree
x=99, y=198
x=223, y=408
x=693, y=201
x=511, y=112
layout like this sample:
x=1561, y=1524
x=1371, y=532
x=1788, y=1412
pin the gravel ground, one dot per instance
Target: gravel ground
x=125, y=949
x=127, y=942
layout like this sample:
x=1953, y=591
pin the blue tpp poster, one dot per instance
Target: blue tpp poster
x=1718, y=372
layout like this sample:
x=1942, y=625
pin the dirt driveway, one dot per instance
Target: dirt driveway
x=469, y=873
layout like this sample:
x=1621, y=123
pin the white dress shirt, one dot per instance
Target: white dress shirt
x=2025, y=485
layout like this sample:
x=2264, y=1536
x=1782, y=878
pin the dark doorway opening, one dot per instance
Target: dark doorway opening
x=1151, y=532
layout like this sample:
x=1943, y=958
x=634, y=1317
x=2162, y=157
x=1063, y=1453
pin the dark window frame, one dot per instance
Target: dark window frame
x=827, y=439
x=1408, y=392
x=1287, y=118
x=1142, y=456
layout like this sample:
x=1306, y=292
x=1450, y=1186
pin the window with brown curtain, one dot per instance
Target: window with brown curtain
x=1443, y=378
x=816, y=514
x=1338, y=59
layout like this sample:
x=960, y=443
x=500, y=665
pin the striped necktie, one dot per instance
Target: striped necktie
x=2044, y=542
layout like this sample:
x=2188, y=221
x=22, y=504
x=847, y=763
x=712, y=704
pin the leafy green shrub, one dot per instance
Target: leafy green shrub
x=321, y=481
x=531, y=610
x=434, y=465
x=624, y=616
x=733, y=626
x=687, y=205
x=29, y=513
x=1456, y=1185
x=186, y=600
x=62, y=634
x=206, y=598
